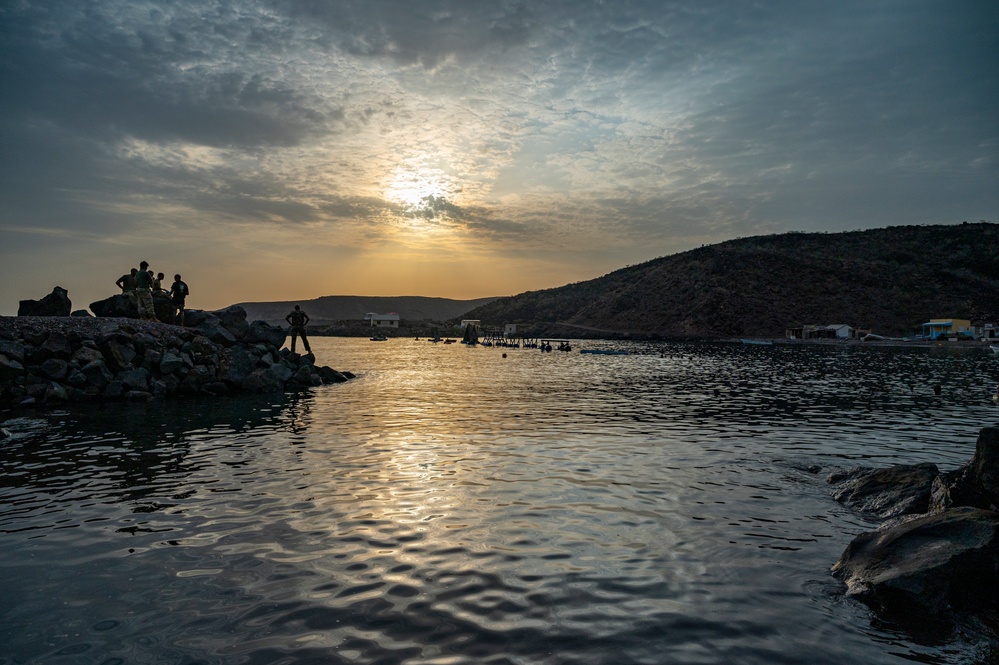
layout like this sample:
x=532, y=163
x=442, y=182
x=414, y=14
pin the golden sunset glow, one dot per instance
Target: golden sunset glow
x=318, y=148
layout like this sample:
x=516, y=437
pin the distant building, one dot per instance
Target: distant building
x=475, y=323
x=510, y=330
x=830, y=331
x=986, y=331
x=390, y=320
x=937, y=328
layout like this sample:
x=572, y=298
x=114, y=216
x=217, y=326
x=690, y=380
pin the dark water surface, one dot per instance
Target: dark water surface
x=454, y=506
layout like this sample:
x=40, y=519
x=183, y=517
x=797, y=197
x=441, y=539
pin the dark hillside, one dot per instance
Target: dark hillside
x=889, y=280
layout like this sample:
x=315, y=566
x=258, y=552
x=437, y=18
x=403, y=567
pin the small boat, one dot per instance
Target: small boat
x=758, y=342
x=379, y=338
x=604, y=352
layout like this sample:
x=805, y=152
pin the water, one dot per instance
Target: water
x=454, y=506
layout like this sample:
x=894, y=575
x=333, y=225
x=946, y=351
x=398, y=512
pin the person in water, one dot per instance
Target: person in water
x=298, y=319
x=144, y=293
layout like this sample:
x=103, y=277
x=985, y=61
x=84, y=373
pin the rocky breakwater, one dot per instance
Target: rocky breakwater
x=935, y=556
x=67, y=359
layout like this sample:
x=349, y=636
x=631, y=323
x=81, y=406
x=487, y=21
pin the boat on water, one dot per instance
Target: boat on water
x=758, y=342
x=604, y=352
x=379, y=338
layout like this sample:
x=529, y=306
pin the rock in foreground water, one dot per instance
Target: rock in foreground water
x=926, y=569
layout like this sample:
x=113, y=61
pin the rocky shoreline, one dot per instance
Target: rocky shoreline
x=58, y=359
x=935, y=556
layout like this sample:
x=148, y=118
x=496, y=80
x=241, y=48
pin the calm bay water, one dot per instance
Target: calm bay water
x=452, y=505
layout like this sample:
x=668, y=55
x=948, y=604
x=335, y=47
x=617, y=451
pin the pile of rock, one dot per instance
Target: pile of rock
x=936, y=555
x=56, y=359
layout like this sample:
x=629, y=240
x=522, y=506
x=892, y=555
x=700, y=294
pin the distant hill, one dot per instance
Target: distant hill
x=889, y=280
x=332, y=309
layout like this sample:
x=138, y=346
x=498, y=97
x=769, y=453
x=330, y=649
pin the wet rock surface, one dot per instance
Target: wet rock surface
x=936, y=555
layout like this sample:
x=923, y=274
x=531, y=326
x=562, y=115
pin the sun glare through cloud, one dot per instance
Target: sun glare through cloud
x=569, y=141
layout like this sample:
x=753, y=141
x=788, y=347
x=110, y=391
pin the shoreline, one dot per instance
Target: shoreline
x=52, y=360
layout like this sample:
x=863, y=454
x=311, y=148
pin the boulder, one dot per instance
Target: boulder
x=118, y=354
x=171, y=362
x=56, y=345
x=56, y=303
x=10, y=368
x=163, y=307
x=259, y=331
x=55, y=369
x=97, y=373
x=976, y=484
x=927, y=568
x=237, y=364
x=233, y=319
x=121, y=305
x=262, y=381
x=885, y=493
x=81, y=313
x=133, y=379
x=212, y=328
x=13, y=350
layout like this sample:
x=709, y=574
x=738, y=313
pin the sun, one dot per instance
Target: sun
x=422, y=191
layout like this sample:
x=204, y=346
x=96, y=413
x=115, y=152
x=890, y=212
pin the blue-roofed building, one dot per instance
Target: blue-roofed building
x=937, y=328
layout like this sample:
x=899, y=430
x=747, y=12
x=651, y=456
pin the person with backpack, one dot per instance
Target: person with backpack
x=178, y=296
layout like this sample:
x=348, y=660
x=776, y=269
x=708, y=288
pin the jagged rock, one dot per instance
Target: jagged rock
x=212, y=328
x=233, y=319
x=976, y=484
x=9, y=368
x=120, y=305
x=330, y=375
x=259, y=331
x=262, y=381
x=133, y=379
x=280, y=371
x=926, y=568
x=56, y=345
x=13, y=350
x=236, y=365
x=56, y=303
x=86, y=354
x=171, y=362
x=163, y=307
x=77, y=379
x=56, y=392
x=97, y=373
x=55, y=369
x=118, y=355
x=886, y=493
x=81, y=313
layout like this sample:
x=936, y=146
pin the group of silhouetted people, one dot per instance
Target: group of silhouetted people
x=140, y=284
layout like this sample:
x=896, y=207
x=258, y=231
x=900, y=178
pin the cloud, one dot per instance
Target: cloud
x=634, y=128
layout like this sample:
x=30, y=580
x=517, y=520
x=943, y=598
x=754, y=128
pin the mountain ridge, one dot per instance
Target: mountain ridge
x=888, y=280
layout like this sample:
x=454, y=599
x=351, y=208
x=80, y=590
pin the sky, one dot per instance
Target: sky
x=290, y=149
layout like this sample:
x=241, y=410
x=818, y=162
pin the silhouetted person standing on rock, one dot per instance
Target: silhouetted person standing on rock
x=298, y=319
x=178, y=294
x=144, y=293
x=127, y=282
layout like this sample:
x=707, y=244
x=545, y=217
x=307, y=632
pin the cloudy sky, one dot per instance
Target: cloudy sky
x=289, y=149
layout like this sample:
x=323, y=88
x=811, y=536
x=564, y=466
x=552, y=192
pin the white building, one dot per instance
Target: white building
x=390, y=320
